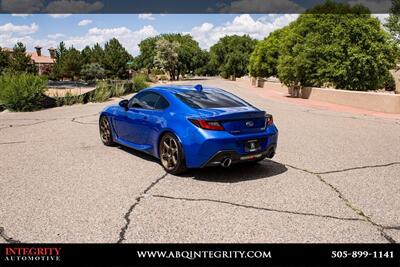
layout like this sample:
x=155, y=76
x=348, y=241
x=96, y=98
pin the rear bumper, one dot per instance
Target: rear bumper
x=205, y=148
x=238, y=158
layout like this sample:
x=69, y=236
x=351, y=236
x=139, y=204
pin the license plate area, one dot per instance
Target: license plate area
x=252, y=146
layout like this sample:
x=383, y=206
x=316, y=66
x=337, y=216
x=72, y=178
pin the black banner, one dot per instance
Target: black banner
x=200, y=255
x=177, y=6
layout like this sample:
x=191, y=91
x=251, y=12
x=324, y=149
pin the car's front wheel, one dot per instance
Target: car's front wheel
x=105, y=131
x=171, y=154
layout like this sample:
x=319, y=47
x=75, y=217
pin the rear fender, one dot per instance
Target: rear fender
x=164, y=131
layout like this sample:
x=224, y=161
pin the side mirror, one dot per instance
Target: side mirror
x=124, y=104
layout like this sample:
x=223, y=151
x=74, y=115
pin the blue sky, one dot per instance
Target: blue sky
x=80, y=30
x=86, y=29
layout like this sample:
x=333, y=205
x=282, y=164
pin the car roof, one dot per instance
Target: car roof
x=181, y=89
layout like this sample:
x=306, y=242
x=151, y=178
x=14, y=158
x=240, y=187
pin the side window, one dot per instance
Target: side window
x=146, y=100
x=162, y=103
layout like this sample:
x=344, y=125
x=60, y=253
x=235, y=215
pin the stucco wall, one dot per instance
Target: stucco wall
x=380, y=102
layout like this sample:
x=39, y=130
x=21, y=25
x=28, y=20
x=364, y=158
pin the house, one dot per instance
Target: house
x=42, y=62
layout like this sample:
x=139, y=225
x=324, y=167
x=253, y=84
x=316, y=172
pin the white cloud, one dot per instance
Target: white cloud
x=55, y=36
x=208, y=34
x=148, y=16
x=59, y=16
x=10, y=28
x=249, y=6
x=21, y=15
x=128, y=38
x=84, y=22
x=9, y=40
x=10, y=34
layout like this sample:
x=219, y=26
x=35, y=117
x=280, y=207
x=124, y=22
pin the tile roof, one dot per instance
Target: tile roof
x=41, y=59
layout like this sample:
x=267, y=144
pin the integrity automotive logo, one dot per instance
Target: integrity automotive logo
x=31, y=254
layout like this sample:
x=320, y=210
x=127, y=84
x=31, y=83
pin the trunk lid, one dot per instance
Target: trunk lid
x=236, y=120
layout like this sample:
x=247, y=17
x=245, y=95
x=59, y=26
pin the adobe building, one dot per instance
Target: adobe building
x=42, y=62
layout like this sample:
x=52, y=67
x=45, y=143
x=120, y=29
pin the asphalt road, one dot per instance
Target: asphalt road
x=335, y=178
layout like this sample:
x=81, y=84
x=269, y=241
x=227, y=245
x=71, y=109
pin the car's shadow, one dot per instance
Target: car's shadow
x=238, y=173
x=235, y=173
x=138, y=153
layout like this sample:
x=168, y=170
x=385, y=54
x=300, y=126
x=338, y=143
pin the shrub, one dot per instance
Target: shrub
x=117, y=89
x=69, y=99
x=92, y=71
x=101, y=93
x=338, y=44
x=140, y=82
x=22, y=92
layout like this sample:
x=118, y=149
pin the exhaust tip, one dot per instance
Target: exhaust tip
x=226, y=162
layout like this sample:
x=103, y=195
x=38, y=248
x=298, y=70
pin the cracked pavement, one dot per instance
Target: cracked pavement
x=335, y=178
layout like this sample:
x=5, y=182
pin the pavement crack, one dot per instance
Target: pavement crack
x=24, y=125
x=133, y=206
x=256, y=208
x=75, y=119
x=397, y=227
x=6, y=237
x=361, y=167
x=348, y=203
x=11, y=143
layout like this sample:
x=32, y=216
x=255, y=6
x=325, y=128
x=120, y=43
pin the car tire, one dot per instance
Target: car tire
x=171, y=154
x=105, y=131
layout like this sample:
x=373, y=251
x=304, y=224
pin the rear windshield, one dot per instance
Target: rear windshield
x=213, y=99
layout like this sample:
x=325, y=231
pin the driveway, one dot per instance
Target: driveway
x=335, y=178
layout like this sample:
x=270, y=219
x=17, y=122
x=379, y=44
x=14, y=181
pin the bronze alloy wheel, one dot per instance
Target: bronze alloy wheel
x=105, y=131
x=171, y=154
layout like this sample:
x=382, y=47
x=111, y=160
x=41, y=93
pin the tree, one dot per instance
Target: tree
x=92, y=71
x=336, y=44
x=167, y=57
x=204, y=67
x=115, y=59
x=231, y=55
x=68, y=63
x=71, y=63
x=190, y=55
x=93, y=54
x=57, y=70
x=147, y=48
x=264, y=59
x=20, y=60
x=4, y=60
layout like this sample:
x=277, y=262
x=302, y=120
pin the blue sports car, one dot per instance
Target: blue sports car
x=190, y=127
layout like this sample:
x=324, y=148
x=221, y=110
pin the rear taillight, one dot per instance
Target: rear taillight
x=208, y=125
x=269, y=120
